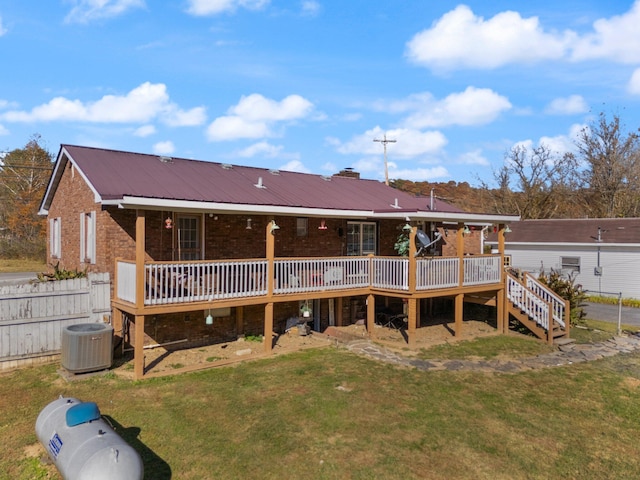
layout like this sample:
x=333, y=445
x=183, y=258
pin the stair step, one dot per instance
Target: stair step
x=563, y=341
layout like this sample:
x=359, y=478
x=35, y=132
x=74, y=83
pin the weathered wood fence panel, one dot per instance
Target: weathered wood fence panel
x=33, y=315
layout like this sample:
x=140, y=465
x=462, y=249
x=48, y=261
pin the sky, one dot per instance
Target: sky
x=310, y=85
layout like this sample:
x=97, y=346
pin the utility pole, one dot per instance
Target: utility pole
x=384, y=142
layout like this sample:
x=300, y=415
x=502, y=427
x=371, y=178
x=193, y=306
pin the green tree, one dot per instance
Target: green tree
x=24, y=174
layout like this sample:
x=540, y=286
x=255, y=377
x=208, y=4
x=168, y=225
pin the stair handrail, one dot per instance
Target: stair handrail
x=557, y=302
x=536, y=307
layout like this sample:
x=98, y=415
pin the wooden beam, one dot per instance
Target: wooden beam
x=412, y=310
x=138, y=348
x=268, y=328
x=239, y=320
x=459, y=306
x=371, y=315
x=140, y=254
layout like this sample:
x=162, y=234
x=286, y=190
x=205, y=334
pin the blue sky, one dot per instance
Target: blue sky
x=308, y=85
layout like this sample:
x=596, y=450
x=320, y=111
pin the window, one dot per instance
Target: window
x=302, y=226
x=361, y=238
x=54, y=237
x=188, y=237
x=88, y=237
x=570, y=264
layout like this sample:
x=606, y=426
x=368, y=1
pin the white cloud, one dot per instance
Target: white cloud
x=474, y=157
x=3, y=130
x=420, y=174
x=295, y=166
x=144, y=131
x=2, y=29
x=86, y=11
x=264, y=149
x=164, y=148
x=214, y=7
x=570, y=105
x=141, y=105
x=560, y=144
x=462, y=39
x=310, y=8
x=409, y=143
x=255, y=116
x=474, y=106
x=634, y=83
x=616, y=38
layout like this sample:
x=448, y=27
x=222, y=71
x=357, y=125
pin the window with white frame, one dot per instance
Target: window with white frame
x=361, y=238
x=188, y=236
x=88, y=237
x=302, y=226
x=55, y=241
x=570, y=264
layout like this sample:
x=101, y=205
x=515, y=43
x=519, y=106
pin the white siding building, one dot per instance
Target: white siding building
x=603, y=253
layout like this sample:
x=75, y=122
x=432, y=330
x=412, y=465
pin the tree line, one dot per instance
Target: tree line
x=600, y=179
x=24, y=175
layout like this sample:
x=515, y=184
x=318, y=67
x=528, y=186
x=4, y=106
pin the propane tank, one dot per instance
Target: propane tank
x=82, y=445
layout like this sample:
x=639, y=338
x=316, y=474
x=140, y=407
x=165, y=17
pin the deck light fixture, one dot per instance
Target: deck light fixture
x=168, y=223
x=248, y=227
x=274, y=227
x=323, y=225
x=466, y=230
x=209, y=319
x=507, y=229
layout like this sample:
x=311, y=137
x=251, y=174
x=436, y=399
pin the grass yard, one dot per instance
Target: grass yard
x=327, y=414
x=22, y=265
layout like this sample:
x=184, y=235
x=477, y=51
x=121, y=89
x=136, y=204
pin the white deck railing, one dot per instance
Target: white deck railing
x=391, y=273
x=179, y=282
x=126, y=281
x=302, y=275
x=480, y=270
x=437, y=272
x=529, y=302
x=542, y=291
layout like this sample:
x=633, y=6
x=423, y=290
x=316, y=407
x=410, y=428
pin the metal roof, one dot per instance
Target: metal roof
x=129, y=179
x=574, y=231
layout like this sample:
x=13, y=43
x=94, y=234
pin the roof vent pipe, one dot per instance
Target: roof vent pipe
x=395, y=204
x=259, y=184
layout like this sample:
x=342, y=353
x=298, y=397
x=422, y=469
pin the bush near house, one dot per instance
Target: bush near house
x=566, y=287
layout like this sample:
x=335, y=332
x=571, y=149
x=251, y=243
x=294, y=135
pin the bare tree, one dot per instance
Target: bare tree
x=611, y=177
x=534, y=183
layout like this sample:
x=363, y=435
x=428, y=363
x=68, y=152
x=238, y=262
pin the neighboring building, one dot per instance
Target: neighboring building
x=188, y=240
x=602, y=253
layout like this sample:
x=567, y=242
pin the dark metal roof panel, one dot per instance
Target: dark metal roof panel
x=115, y=174
x=613, y=230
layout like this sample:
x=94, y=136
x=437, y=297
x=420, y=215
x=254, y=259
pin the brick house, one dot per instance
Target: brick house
x=202, y=251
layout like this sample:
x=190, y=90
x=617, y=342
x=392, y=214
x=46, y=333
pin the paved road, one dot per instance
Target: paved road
x=17, y=277
x=609, y=313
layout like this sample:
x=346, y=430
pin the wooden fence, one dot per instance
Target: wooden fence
x=33, y=316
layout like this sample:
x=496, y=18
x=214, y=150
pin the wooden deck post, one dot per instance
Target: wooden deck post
x=268, y=328
x=501, y=298
x=371, y=315
x=459, y=306
x=138, y=348
x=140, y=254
x=502, y=322
x=460, y=251
x=412, y=315
x=239, y=320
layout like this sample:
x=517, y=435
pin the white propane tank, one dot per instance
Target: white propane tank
x=82, y=445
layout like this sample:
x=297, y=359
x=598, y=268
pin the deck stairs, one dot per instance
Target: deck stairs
x=537, y=308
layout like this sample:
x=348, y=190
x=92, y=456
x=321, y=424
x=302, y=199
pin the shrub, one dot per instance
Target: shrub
x=60, y=274
x=566, y=288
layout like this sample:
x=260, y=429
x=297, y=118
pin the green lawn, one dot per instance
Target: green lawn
x=327, y=414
